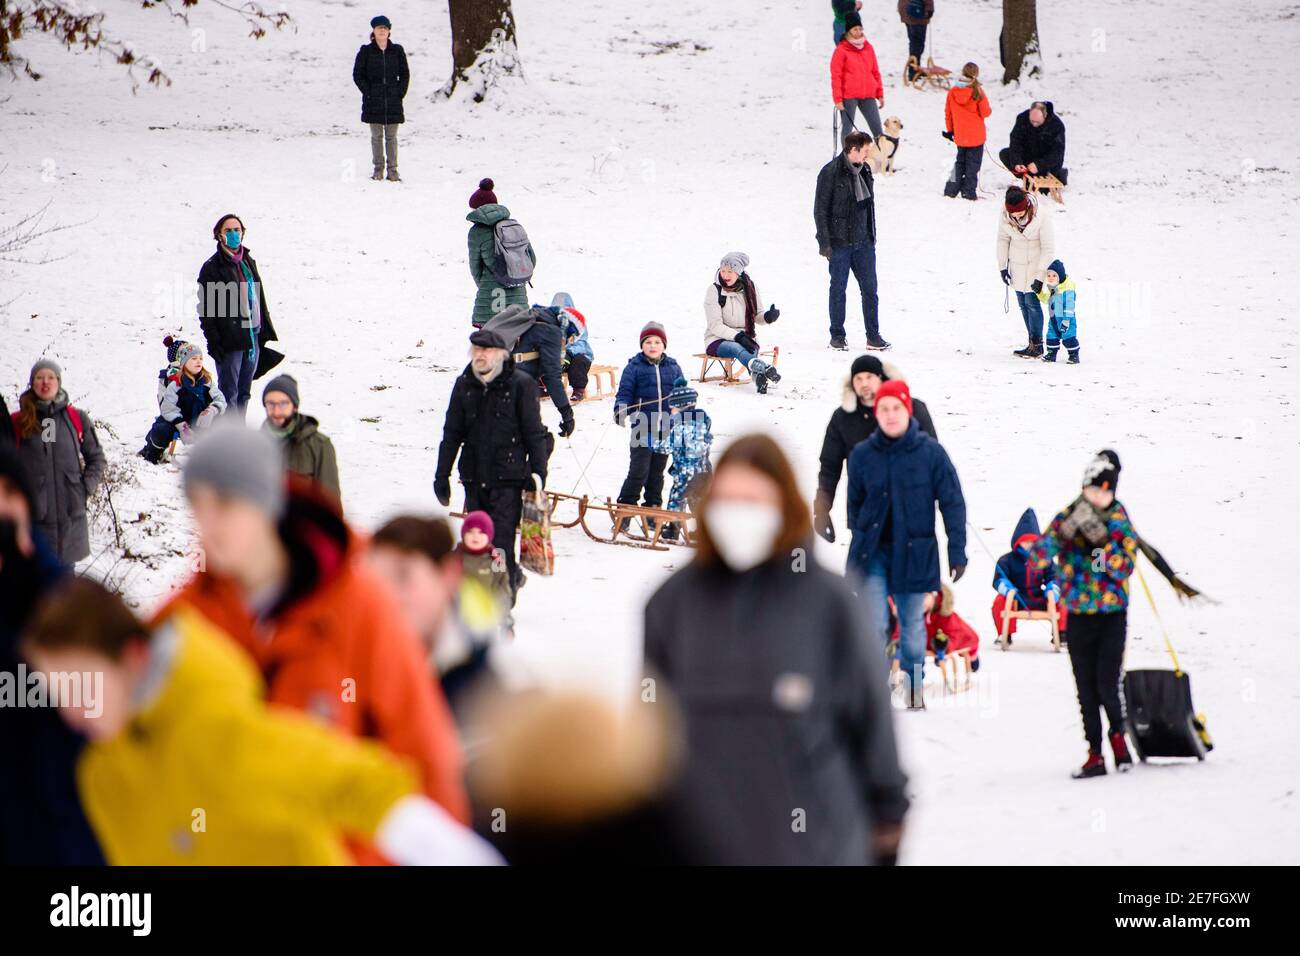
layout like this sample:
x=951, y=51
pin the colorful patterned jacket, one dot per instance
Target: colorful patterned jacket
x=1094, y=580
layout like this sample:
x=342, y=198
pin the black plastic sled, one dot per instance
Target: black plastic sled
x=1161, y=719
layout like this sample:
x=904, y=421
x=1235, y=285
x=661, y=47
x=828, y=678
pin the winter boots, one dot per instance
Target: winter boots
x=1050, y=355
x=392, y=175
x=579, y=394
x=763, y=375
x=1119, y=747
x=1031, y=351
x=1094, y=766
x=1074, y=357
x=378, y=174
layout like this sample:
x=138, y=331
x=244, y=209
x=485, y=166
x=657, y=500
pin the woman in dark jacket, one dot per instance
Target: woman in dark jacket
x=61, y=452
x=787, y=718
x=381, y=75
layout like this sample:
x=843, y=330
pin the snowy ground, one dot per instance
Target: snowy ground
x=648, y=140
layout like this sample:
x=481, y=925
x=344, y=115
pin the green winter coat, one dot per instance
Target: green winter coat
x=309, y=452
x=482, y=256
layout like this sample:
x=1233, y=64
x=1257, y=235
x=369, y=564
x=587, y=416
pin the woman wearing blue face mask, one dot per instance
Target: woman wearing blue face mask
x=233, y=315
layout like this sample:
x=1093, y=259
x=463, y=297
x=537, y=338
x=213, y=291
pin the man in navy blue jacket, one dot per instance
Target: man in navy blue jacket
x=895, y=479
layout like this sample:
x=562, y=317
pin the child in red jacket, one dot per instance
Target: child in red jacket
x=964, y=113
x=945, y=631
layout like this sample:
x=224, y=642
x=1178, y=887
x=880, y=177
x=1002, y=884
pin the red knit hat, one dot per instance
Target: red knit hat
x=895, y=388
x=654, y=328
x=483, y=195
x=1017, y=200
x=478, y=521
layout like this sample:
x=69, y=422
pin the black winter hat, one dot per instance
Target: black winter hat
x=1102, y=471
x=852, y=20
x=868, y=363
x=487, y=339
x=381, y=21
x=282, y=383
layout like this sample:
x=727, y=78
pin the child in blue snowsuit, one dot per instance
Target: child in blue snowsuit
x=690, y=433
x=1058, y=295
x=1015, y=579
x=578, y=355
x=188, y=399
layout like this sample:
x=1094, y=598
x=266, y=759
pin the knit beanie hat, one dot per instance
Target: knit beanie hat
x=1017, y=201
x=654, y=328
x=478, y=521
x=282, y=383
x=1102, y=471
x=735, y=261
x=852, y=20
x=1058, y=267
x=682, y=395
x=895, y=388
x=483, y=195
x=868, y=363
x=44, y=363
x=185, y=351
x=381, y=21
x=241, y=462
x=171, y=343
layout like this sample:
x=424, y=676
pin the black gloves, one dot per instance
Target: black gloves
x=1036, y=286
x=566, y=423
x=956, y=571
x=442, y=491
x=947, y=134
x=822, y=517
x=746, y=342
x=772, y=314
x=620, y=415
x=1006, y=277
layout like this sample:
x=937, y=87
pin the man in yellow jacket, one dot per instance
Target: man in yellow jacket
x=187, y=764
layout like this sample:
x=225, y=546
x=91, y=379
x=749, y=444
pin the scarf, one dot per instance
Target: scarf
x=859, y=183
x=284, y=432
x=857, y=44
x=745, y=285
x=250, y=287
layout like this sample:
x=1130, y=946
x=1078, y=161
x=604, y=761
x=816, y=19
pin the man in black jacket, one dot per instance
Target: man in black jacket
x=853, y=422
x=845, y=215
x=494, y=423
x=539, y=354
x=233, y=315
x=1037, y=143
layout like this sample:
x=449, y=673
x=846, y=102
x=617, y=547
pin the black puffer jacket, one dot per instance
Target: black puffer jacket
x=1044, y=146
x=382, y=78
x=223, y=309
x=544, y=340
x=497, y=429
x=835, y=211
x=786, y=709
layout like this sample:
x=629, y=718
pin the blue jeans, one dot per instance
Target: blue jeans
x=838, y=29
x=1032, y=310
x=235, y=379
x=732, y=350
x=861, y=259
x=875, y=591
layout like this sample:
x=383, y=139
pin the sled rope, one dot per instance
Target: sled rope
x=583, y=474
x=980, y=539
x=1156, y=611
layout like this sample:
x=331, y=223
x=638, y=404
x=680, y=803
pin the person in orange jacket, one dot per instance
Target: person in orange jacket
x=964, y=113
x=855, y=79
x=278, y=574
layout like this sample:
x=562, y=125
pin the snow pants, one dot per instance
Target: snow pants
x=965, y=175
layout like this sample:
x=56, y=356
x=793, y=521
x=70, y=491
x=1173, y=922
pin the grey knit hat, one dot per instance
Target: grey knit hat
x=186, y=351
x=241, y=462
x=52, y=365
x=735, y=261
x=282, y=383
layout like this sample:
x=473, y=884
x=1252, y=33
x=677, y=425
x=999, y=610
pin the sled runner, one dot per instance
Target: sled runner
x=956, y=678
x=730, y=376
x=1049, y=184
x=644, y=526
x=928, y=76
x=1010, y=613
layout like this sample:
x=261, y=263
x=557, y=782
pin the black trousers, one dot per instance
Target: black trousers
x=1097, y=656
x=505, y=504
x=965, y=176
x=579, y=367
x=916, y=40
x=645, y=470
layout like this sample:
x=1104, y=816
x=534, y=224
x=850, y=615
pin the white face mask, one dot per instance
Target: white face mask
x=743, y=532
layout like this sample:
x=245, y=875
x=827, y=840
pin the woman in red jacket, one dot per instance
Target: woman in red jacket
x=964, y=113
x=855, y=79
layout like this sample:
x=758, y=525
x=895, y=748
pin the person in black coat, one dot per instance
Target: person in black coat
x=539, y=354
x=1037, y=143
x=234, y=316
x=381, y=74
x=844, y=212
x=853, y=422
x=7, y=436
x=495, y=425
x=41, y=819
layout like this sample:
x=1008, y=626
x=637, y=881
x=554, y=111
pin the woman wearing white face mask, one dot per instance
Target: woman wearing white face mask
x=788, y=726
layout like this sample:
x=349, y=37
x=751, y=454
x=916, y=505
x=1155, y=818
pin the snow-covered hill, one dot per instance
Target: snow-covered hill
x=647, y=140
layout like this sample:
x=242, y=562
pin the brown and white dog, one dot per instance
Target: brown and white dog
x=887, y=146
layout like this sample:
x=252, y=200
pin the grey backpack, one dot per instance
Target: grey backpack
x=513, y=266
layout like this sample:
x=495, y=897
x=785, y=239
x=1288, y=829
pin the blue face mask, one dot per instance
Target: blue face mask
x=232, y=238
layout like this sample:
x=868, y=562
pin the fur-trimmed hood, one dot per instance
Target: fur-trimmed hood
x=849, y=398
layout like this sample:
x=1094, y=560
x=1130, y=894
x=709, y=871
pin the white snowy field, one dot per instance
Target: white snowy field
x=646, y=141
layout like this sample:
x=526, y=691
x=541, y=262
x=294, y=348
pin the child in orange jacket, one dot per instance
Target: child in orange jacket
x=964, y=113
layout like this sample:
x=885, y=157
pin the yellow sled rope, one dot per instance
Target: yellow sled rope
x=1200, y=724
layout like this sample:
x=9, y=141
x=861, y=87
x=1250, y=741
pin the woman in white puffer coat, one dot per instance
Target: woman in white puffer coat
x=732, y=313
x=1026, y=246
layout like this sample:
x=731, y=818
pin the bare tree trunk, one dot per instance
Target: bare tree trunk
x=1021, y=56
x=483, y=47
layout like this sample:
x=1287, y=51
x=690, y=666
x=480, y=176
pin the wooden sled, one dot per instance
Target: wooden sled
x=730, y=375
x=648, y=538
x=553, y=501
x=599, y=375
x=1010, y=613
x=928, y=76
x=1049, y=183
x=955, y=679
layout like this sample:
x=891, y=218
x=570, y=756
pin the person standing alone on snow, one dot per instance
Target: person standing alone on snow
x=1058, y=294
x=1026, y=245
x=964, y=113
x=844, y=212
x=1095, y=548
x=855, y=80
x=381, y=74
x=732, y=312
